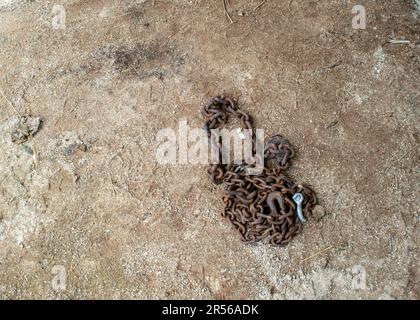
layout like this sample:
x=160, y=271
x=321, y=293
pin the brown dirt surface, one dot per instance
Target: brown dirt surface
x=86, y=192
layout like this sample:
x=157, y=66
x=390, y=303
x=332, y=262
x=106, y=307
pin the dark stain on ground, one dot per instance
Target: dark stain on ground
x=134, y=13
x=142, y=60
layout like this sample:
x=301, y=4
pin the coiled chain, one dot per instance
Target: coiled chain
x=258, y=206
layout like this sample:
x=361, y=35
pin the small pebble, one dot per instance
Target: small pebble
x=318, y=212
x=28, y=150
x=25, y=127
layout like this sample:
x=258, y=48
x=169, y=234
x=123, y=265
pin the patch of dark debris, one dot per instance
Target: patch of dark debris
x=135, y=13
x=141, y=60
x=71, y=143
x=24, y=128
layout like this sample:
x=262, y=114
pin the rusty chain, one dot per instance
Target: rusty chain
x=258, y=206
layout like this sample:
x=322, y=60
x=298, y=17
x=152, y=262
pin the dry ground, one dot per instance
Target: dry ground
x=86, y=192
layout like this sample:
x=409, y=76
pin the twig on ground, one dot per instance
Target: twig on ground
x=226, y=11
x=35, y=155
x=260, y=5
x=395, y=41
x=318, y=253
x=10, y=103
x=408, y=42
x=395, y=162
x=112, y=184
x=403, y=219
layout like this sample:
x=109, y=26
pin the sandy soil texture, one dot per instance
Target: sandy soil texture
x=87, y=212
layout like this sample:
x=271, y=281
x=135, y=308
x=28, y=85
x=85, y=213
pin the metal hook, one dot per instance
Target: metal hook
x=298, y=199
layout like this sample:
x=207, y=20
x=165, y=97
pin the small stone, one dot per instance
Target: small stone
x=83, y=147
x=25, y=127
x=72, y=143
x=28, y=149
x=318, y=212
x=241, y=13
